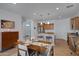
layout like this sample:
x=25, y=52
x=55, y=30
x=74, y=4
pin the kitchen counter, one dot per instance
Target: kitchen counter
x=72, y=38
x=72, y=35
x=47, y=35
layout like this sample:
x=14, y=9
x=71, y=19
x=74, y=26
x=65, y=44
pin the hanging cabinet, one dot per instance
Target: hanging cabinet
x=75, y=23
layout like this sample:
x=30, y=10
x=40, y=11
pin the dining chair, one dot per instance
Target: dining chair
x=49, y=38
x=40, y=38
x=48, y=51
x=22, y=50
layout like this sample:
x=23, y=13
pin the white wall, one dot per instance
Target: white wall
x=62, y=28
x=13, y=17
x=34, y=29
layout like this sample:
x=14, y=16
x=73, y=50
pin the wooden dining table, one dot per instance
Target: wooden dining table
x=38, y=46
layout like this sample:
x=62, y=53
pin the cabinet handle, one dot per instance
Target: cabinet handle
x=72, y=26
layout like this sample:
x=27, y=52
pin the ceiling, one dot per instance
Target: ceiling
x=42, y=10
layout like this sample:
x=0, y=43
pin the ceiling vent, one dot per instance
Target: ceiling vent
x=69, y=6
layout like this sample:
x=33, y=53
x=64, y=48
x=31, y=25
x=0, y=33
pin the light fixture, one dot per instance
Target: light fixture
x=34, y=13
x=13, y=3
x=57, y=8
x=27, y=25
x=41, y=23
x=48, y=22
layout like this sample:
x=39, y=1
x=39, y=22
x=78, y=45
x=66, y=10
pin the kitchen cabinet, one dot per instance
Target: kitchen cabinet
x=40, y=28
x=75, y=23
x=48, y=26
x=8, y=40
x=77, y=51
x=44, y=26
x=77, y=46
x=71, y=41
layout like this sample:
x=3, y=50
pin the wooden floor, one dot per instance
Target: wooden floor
x=61, y=49
x=10, y=52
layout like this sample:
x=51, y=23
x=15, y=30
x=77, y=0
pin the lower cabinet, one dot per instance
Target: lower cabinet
x=9, y=39
x=73, y=42
x=77, y=51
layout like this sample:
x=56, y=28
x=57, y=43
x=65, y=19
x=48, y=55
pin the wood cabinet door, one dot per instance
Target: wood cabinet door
x=77, y=23
x=77, y=51
x=8, y=39
x=71, y=44
x=72, y=24
x=49, y=26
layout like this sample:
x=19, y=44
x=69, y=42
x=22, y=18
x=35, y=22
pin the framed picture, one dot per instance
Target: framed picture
x=6, y=24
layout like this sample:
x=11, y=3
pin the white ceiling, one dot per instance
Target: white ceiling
x=42, y=10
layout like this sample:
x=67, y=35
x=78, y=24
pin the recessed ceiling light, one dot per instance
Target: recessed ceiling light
x=34, y=13
x=13, y=3
x=27, y=25
x=57, y=8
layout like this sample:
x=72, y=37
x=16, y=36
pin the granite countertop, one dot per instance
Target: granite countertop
x=48, y=33
x=73, y=35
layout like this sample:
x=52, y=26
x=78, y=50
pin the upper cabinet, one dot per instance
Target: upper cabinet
x=75, y=23
x=49, y=26
x=44, y=26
